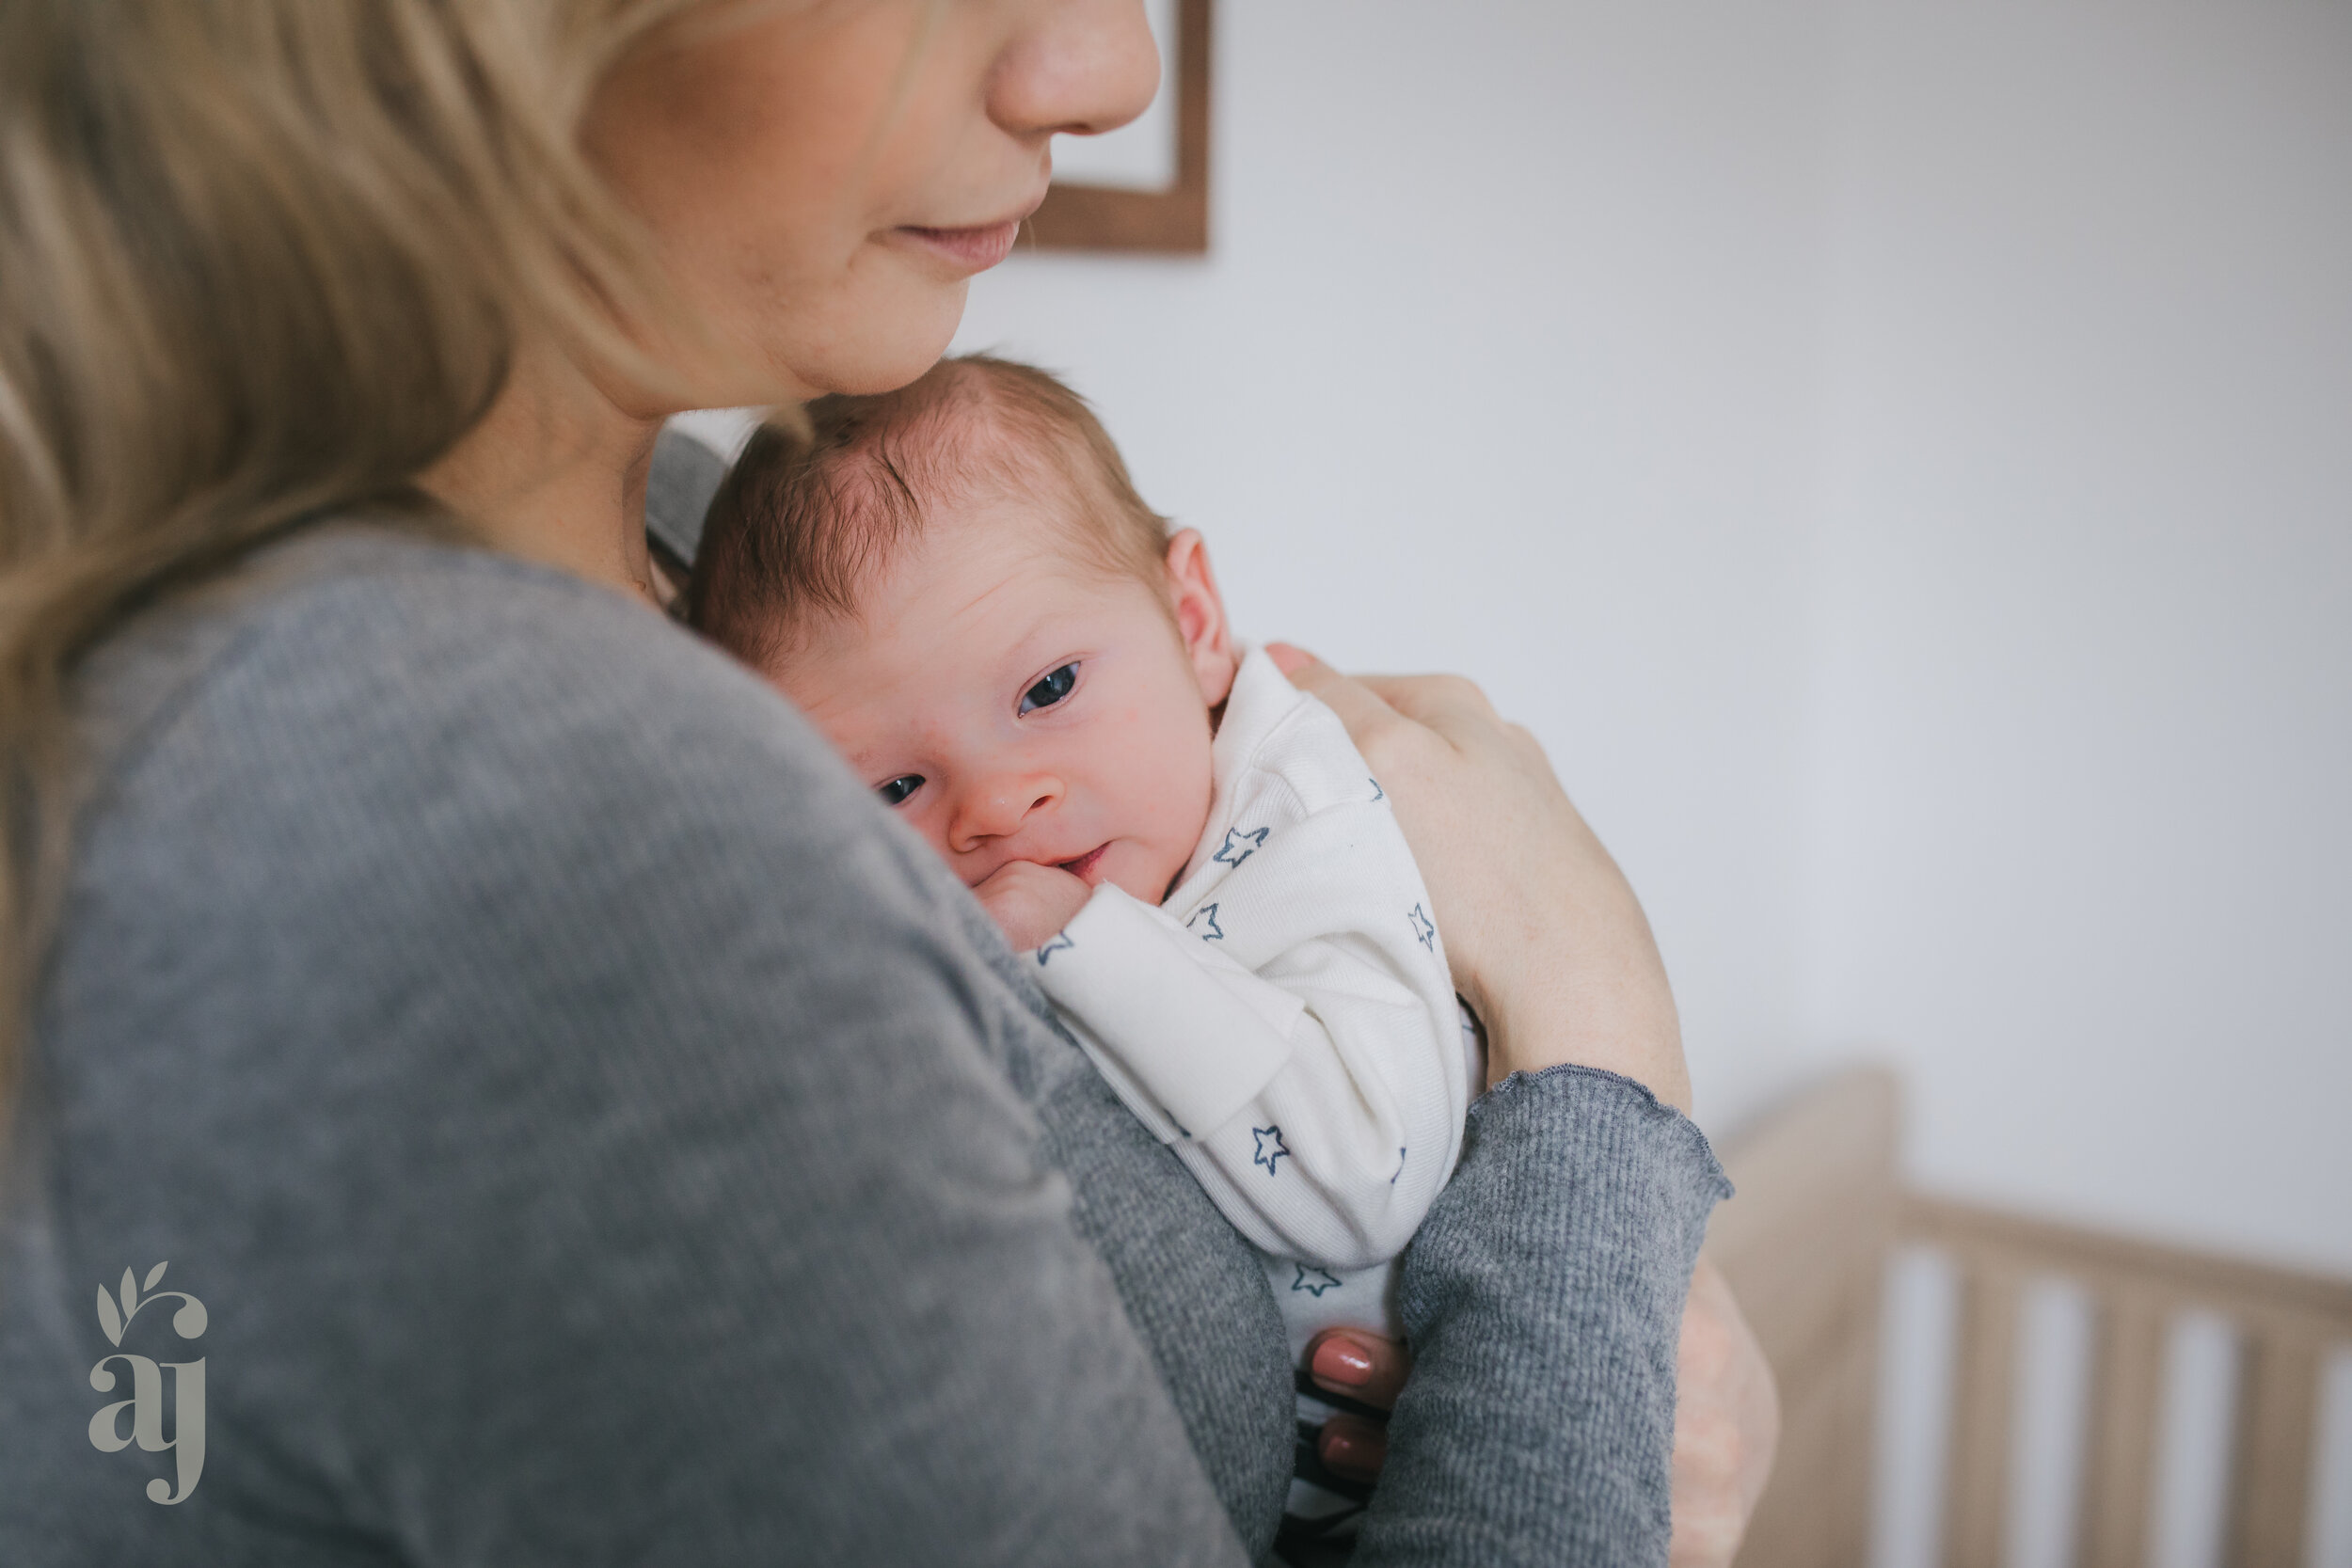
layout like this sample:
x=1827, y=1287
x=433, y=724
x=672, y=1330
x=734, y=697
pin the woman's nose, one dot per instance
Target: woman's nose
x=997, y=807
x=1080, y=66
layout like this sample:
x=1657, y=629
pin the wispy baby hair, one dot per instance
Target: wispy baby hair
x=808, y=516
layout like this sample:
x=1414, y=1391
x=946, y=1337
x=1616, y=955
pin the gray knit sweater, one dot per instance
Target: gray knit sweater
x=598, y=1132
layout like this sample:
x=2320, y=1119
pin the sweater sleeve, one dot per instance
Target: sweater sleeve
x=583, y=1116
x=1543, y=1299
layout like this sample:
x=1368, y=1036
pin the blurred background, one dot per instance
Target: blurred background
x=1897, y=456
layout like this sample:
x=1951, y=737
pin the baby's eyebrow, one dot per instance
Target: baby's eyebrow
x=1026, y=656
x=1050, y=625
x=1039, y=625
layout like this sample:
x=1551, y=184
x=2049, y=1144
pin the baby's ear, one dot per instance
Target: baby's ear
x=1201, y=622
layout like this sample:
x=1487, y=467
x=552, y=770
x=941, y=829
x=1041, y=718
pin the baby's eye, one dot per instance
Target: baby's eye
x=1051, y=690
x=895, y=793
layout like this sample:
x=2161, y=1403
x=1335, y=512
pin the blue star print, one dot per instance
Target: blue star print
x=1269, y=1147
x=1400, y=1167
x=1377, y=793
x=1314, y=1281
x=1208, y=915
x=1059, y=943
x=1248, y=843
x=1422, y=932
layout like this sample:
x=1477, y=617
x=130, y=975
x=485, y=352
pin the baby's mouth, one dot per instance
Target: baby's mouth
x=1084, y=862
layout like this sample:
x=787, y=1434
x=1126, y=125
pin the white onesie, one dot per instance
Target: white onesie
x=1286, y=1020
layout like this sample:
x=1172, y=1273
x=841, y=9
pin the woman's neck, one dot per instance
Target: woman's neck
x=555, y=473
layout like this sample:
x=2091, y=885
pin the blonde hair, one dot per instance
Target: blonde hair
x=261, y=261
x=811, y=511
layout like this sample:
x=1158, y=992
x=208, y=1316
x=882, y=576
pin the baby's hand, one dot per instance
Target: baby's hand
x=1030, y=902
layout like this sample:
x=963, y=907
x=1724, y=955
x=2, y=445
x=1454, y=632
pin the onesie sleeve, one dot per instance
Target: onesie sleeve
x=1185, y=1034
x=1293, y=1033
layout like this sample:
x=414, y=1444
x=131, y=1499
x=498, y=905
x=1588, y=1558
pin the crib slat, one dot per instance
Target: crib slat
x=2290, y=1322
x=1976, y=1495
x=2126, y=1391
x=2278, y=1409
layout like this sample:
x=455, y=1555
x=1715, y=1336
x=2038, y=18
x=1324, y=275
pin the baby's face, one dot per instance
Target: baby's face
x=1015, y=704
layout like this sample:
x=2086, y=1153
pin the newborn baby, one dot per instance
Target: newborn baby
x=957, y=583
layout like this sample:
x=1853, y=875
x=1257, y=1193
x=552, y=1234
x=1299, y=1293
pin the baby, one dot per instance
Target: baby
x=957, y=583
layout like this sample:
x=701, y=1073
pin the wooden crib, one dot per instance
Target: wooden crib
x=1806, y=1244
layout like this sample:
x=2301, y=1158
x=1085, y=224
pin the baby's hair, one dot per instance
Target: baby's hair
x=806, y=516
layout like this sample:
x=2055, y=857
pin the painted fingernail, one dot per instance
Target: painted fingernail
x=1353, y=1450
x=1343, y=1361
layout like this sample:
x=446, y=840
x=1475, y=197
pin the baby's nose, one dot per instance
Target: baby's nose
x=997, y=807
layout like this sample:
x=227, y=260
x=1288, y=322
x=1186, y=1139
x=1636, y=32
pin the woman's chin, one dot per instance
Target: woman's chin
x=922, y=319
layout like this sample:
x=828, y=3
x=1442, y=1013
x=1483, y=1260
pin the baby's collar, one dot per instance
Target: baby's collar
x=1261, y=697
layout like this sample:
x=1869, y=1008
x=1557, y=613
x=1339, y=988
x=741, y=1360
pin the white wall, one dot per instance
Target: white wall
x=2082, y=833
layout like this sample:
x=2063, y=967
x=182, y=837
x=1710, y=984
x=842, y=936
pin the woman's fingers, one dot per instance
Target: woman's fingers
x=1359, y=1365
x=1431, y=698
x=1364, y=714
x=1368, y=1369
x=1370, y=704
x=1290, y=658
x=1410, y=759
x=1353, y=1447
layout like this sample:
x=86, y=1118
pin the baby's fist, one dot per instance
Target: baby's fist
x=1030, y=902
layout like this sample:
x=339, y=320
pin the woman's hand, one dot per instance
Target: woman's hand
x=1726, y=1416
x=1545, y=937
x=1726, y=1424
x=1357, y=1364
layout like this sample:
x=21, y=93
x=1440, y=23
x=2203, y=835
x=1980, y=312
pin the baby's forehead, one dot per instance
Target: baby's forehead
x=968, y=449
x=984, y=596
x=997, y=550
x=983, y=540
x=976, y=473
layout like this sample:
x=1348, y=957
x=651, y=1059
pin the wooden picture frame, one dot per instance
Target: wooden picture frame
x=1174, y=221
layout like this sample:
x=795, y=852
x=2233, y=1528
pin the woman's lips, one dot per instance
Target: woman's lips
x=969, y=249
x=1084, y=862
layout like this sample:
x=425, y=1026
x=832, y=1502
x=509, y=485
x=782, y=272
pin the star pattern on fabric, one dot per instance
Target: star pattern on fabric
x=1400, y=1166
x=1378, y=794
x=1059, y=943
x=1246, y=844
x=1423, y=932
x=1206, y=913
x=1314, y=1281
x=1270, y=1147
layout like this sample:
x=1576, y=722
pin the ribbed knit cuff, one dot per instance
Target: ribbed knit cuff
x=1543, y=1299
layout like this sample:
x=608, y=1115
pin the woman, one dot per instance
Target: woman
x=592, y=1133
